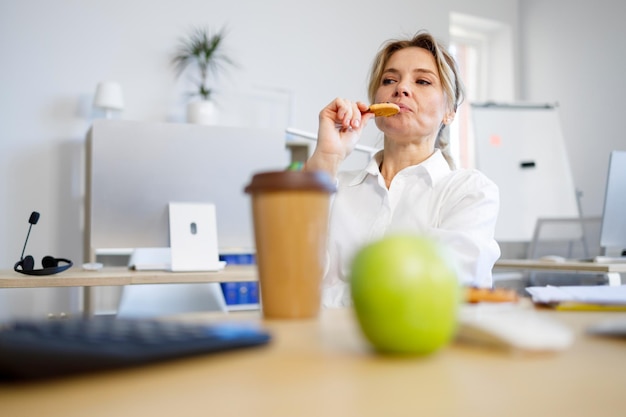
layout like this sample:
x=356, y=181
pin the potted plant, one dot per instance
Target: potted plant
x=201, y=50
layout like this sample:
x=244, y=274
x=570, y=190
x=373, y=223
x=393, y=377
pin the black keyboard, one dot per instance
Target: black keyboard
x=43, y=349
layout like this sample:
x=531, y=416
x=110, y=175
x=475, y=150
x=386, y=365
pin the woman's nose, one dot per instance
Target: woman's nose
x=401, y=90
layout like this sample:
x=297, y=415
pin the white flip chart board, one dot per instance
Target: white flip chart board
x=522, y=149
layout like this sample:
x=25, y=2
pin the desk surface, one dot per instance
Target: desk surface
x=323, y=367
x=598, y=267
x=76, y=277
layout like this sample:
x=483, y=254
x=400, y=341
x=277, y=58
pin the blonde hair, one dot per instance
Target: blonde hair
x=448, y=73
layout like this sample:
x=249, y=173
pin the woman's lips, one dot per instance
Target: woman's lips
x=404, y=108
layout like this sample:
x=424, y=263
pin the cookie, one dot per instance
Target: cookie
x=384, y=109
x=494, y=295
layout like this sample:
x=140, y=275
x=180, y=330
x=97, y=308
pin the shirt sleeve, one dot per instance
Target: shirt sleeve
x=335, y=291
x=467, y=225
x=335, y=288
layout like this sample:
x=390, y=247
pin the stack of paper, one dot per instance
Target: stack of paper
x=581, y=297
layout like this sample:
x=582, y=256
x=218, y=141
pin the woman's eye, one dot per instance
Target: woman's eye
x=423, y=82
x=387, y=81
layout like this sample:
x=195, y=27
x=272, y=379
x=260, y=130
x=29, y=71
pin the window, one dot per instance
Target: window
x=483, y=50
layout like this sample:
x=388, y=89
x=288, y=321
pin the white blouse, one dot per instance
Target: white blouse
x=457, y=207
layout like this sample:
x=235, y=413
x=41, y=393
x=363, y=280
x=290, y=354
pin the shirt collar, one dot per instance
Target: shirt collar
x=434, y=168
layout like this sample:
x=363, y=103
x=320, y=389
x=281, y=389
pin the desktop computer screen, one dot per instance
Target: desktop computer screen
x=613, y=234
x=135, y=169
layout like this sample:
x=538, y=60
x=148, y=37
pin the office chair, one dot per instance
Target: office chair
x=571, y=238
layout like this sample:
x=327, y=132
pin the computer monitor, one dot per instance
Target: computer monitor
x=613, y=234
x=135, y=169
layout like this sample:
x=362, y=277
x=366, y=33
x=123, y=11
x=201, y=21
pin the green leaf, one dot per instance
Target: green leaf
x=203, y=50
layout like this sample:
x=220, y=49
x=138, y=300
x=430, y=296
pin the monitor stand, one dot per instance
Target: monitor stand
x=151, y=259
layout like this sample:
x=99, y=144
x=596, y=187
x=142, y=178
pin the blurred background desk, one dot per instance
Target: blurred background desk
x=76, y=277
x=612, y=271
x=324, y=367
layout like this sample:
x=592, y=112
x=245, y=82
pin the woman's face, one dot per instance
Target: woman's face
x=411, y=80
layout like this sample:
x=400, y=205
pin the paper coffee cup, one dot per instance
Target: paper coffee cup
x=290, y=216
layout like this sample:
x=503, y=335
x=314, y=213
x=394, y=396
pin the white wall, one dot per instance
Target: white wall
x=573, y=53
x=54, y=52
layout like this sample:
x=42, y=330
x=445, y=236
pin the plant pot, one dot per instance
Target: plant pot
x=202, y=112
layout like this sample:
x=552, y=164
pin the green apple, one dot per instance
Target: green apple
x=406, y=294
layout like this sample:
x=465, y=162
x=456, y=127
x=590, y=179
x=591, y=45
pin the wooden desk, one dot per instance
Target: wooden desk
x=76, y=277
x=612, y=271
x=323, y=367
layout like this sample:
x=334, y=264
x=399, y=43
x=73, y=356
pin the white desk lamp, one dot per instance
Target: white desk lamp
x=109, y=98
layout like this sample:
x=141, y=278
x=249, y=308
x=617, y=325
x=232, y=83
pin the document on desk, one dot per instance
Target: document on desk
x=599, y=295
x=605, y=259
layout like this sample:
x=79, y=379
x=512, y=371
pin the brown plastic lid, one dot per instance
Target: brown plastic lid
x=291, y=180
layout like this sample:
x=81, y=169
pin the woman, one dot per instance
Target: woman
x=411, y=185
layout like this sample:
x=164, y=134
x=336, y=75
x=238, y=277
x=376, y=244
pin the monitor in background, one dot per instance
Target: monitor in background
x=135, y=169
x=613, y=234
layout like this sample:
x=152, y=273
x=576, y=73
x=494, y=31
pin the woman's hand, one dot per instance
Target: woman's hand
x=340, y=126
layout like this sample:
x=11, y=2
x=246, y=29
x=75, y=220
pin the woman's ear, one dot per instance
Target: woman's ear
x=449, y=117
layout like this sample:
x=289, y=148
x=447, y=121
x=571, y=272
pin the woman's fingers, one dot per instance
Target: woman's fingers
x=349, y=115
x=341, y=123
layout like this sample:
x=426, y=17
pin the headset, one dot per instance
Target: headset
x=26, y=265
